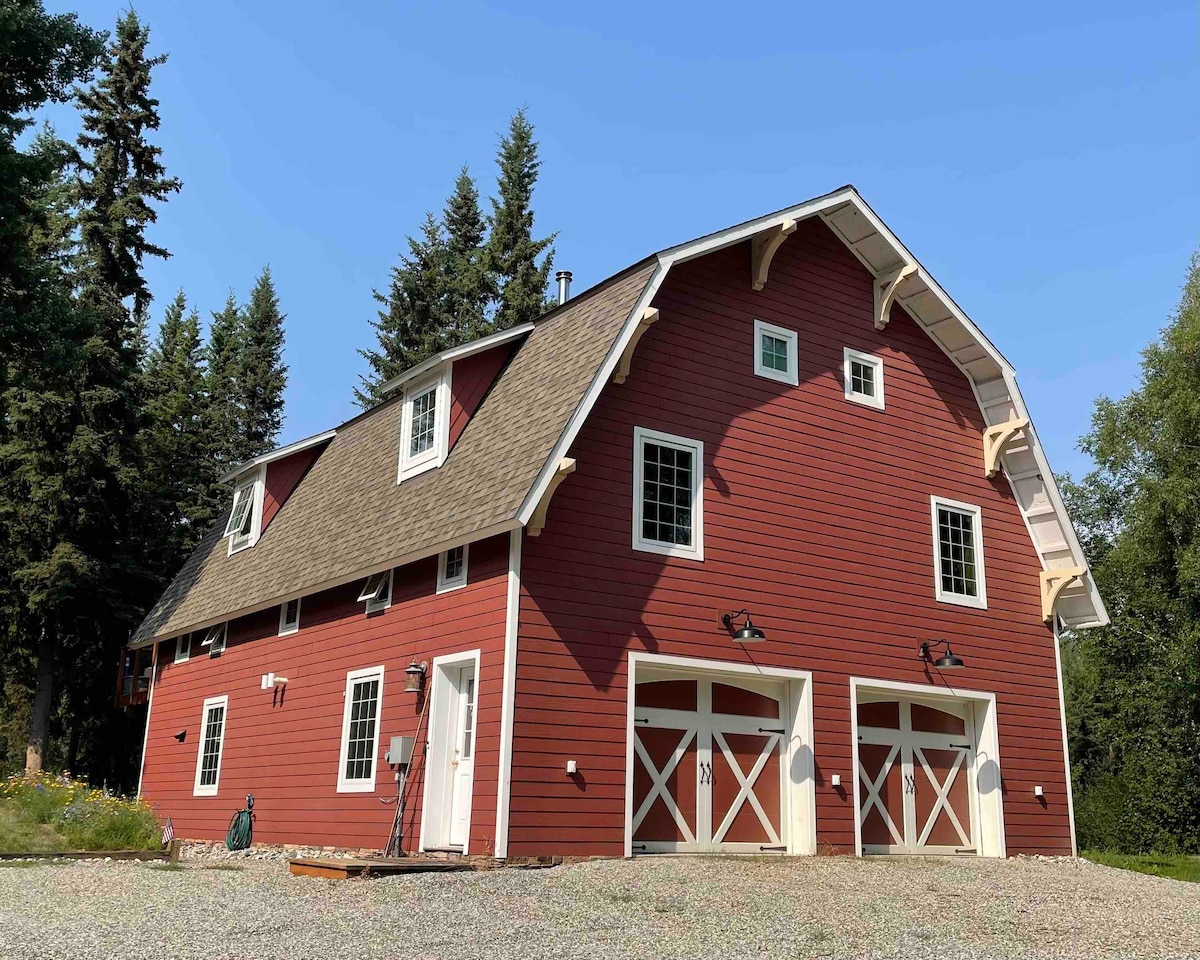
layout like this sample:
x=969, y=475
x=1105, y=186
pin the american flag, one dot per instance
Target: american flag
x=168, y=832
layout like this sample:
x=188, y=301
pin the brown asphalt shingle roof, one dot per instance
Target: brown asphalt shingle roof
x=348, y=515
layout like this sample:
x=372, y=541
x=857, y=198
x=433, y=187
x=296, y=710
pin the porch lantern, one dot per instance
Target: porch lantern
x=949, y=660
x=746, y=634
x=415, y=677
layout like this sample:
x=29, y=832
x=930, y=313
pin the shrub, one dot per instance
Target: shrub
x=84, y=817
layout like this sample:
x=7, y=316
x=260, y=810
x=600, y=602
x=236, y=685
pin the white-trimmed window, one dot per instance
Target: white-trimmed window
x=958, y=552
x=775, y=353
x=452, y=569
x=245, y=519
x=289, y=617
x=424, y=426
x=377, y=591
x=668, y=494
x=215, y=637
x=212, y=745
x=183, y=648
x=360, y=731
x=862, y=374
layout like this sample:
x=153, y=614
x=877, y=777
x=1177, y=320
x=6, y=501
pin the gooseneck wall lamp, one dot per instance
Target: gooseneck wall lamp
x=949, y=660
x=745, y=634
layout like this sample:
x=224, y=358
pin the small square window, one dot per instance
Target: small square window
x=668, y=494
x=377, y=591
x=215, y=638
x=958, y=553
x=183, y=648
x=862, y=374
x=289, y=617
x=452, y=569
x=775, y=353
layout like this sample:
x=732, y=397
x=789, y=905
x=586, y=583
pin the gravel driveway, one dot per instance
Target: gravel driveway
x=699, y=907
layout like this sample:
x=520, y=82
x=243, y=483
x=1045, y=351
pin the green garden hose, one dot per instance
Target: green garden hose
x=241, y=827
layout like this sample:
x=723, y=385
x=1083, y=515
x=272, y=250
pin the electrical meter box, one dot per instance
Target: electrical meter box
x=400, y=752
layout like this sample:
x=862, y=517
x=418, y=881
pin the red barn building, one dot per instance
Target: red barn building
x=751, y=547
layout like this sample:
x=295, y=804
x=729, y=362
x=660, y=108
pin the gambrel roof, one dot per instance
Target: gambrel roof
x=349, y=518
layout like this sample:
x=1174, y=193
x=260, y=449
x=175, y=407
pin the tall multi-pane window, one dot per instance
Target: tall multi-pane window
x=212, y=741
x=360, y=730
x=958, y=547
x=422, y=431
x=775, y=353
x=668, y=485
x=424, y=426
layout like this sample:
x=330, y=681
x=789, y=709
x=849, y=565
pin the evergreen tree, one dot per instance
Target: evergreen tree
x=469, y=286
x=512, y=253
x=262, y=374
x=224, y=440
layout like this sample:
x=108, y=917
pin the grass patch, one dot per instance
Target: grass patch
x=223, y=866
x=166, y=866
x=46, y=814
x=1173, y=866
x=18, y=864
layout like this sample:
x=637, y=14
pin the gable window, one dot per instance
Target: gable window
x=360, y=731
x=377, y=591
x=183, y=648
x=245, y=519
x=862, y=374
x=215, y=638
x=775, y=354
x=452, y=569
x=958, y=553
x=289, y=617
x=212, y=744
x=424, y=426
x=668, y=494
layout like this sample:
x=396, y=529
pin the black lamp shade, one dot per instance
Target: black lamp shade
x=949, y=660
x=749, y=633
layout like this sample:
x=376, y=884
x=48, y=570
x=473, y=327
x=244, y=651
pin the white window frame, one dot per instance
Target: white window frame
x=869, y=360
x=183, y=648
x=435, y=456
x=238, y=543
x=374, y=606
x=210, y=789
x=696, y=551
x=979, y=602
x=792, y=374
x=446, y=584
x=286, y=629
x=365, y=785
x=216, y=641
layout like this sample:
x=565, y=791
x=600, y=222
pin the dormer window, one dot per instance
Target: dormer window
x=425, y=425
x=245, y=519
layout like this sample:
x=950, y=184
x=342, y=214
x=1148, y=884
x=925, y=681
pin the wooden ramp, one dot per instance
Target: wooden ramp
x=334, y=868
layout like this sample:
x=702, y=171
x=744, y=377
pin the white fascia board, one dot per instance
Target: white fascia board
x=457, y=353
x=279, y=454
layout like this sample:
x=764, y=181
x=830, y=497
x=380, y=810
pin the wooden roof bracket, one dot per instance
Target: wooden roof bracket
x=1054, y=582
x=649, y=316
x=994, y=439
x=886, y=288
x=762, y=250
x=566, y=467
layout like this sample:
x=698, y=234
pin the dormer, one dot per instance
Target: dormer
x=442, y=393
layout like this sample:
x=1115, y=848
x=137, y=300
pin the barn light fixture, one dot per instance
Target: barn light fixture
x=947, y=661
x=747, y=634
x=181, y=736
x=415, y=677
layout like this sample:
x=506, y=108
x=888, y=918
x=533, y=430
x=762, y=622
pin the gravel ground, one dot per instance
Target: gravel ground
x=667, y=907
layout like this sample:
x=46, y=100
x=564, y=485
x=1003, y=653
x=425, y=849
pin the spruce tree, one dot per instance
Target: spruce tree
x=469, y=286
x=262, y=374
x=512, y=252
x=224, y=441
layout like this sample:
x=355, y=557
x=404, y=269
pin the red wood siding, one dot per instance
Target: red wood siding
x=470, y=380
x=282, y=478
x=285, y=750
x=817, y=518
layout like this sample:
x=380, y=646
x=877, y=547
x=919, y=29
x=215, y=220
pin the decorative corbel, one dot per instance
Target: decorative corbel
x=994, y=439
x=886, y=288
x=566, y=467
x=649, y=316
x=762, y=250
x=1054, y=582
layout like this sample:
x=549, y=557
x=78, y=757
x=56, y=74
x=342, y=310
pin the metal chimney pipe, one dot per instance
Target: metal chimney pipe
x=564, y=285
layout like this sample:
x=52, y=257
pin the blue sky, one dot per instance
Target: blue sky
x=1041, y=159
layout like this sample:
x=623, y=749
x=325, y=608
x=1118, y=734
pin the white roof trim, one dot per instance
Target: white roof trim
x=992, y=378
x=457, y=353
x=278, y=454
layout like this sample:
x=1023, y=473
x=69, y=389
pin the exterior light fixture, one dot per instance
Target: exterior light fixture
x=746, y=634
x=414, y=677
x=949, y=660
x=181, y=735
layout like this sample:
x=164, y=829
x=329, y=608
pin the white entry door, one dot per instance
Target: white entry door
x=462, y=760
